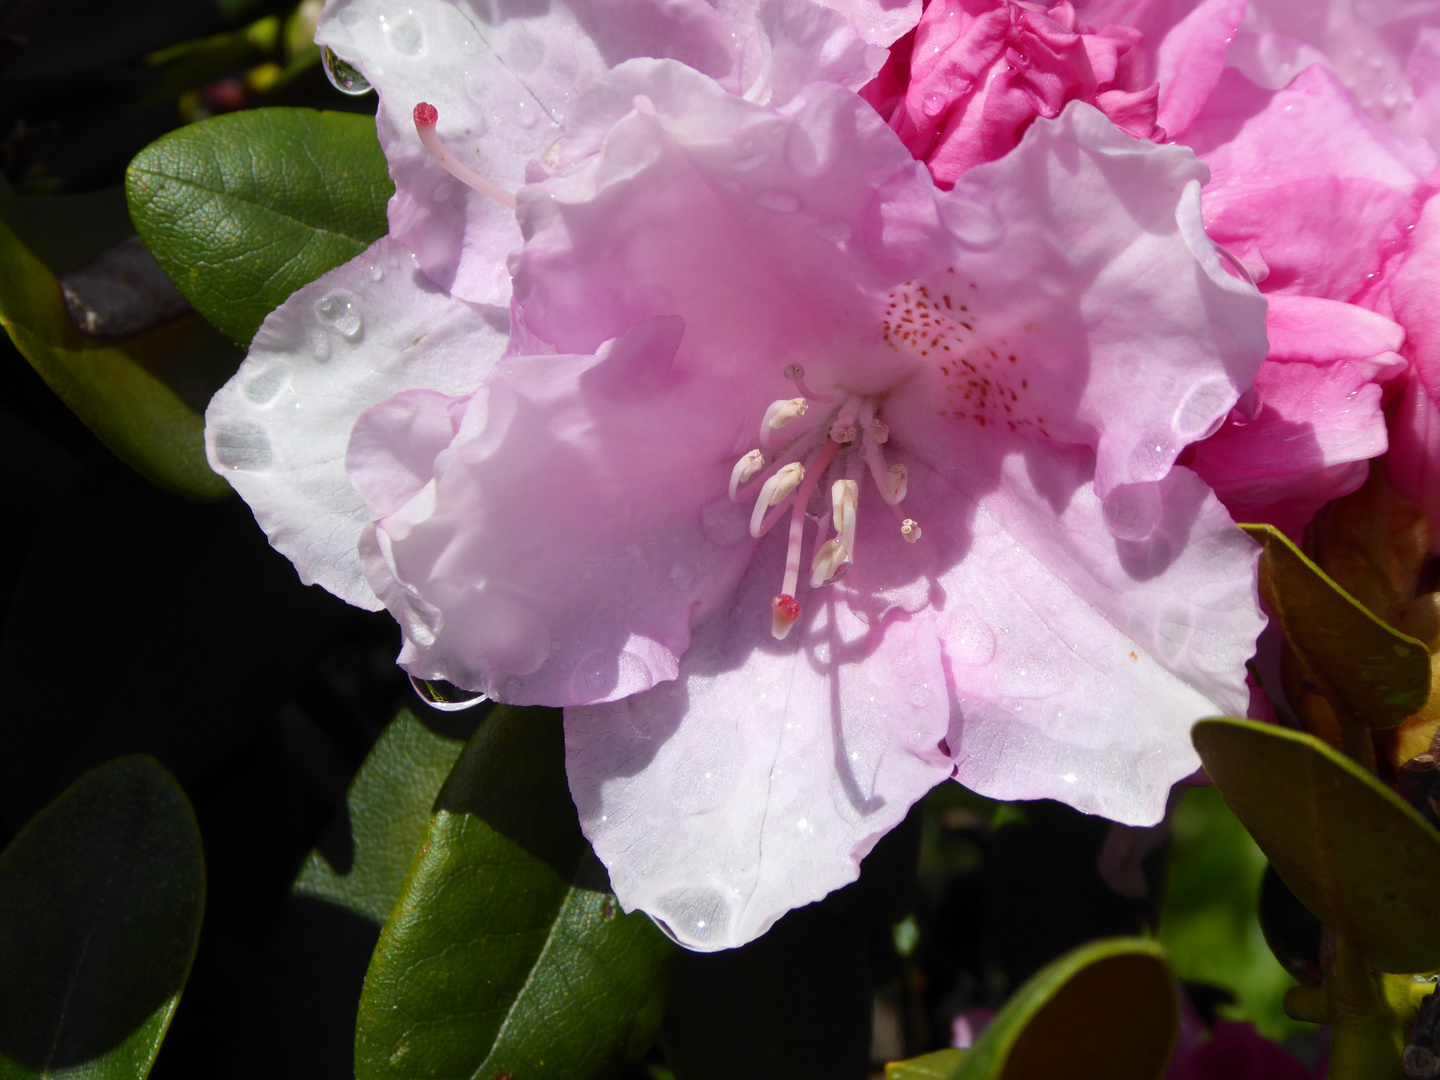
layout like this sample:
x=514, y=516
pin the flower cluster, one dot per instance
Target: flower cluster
x=852, y=398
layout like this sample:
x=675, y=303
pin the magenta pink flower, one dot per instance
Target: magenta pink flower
x=800, y=483
x=974, y=75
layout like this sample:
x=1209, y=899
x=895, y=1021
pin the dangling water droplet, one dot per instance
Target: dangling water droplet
x=243, y=447
x=444, y=697
x=340, y=310
x=343, y=75
x=1133, y=511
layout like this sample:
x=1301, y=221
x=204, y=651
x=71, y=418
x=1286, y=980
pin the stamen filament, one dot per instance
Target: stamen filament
x=786, y=608
x=426, y=116
x=796, y=374
x=773, y=493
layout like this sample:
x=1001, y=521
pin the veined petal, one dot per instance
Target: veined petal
x=758, y=780
x=278, y=430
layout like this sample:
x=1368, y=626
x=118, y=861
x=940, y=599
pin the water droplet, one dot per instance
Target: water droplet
x=526, y=115
x=1151, y=457
x=781, y=201
x=340, y=310
x=835, y=229
x=343, y=75
x=445, y=697
x=243, y=447
x=442, y=191
x=969, y=640
x=1203, y=409
x=266, y=386
x=406, y=34
x=697, y=917
x=320, y=345
x=608, y=911
x=1132, y=511
x=933, y=105
x=920, y=696
x=475, y=88
x=972, y=219
x=377, y=273
x=524, y=52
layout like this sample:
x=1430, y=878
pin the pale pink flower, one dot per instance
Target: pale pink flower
x=1014, y=585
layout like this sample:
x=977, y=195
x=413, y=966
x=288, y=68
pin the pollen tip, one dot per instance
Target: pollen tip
x=426, y=115
x=786, y=613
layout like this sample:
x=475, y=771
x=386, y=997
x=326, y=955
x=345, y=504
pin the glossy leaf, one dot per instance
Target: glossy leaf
x=1110, y=1008
x=144, y=397
x=101, y=897
x=506, y=952
x=1208, y=916
x=940, y=1065
x=314, y=969
x=243, y=209
x=1372, y=673
x=1348, y=847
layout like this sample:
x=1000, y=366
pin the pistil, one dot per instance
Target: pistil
x=426, y=116
x=785, y=607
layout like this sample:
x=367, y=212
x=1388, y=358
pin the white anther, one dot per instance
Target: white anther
x=897, y=483
x=782, y=483
x=772, y=493
x=781, y=413
x=880, y=431
x=843, y=433
x=910, y=530
x=831, y=563
x=744, y=470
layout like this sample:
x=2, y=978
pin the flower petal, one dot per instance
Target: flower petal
x=503, y=80
x=574, y=527
x=758, y=780
x=1077, y=662
x=278, y=430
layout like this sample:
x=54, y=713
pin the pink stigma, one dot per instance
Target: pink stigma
x=786, y=610
x=426, y=117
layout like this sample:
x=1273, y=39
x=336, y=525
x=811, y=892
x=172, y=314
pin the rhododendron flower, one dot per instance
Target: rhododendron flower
x=962, y=411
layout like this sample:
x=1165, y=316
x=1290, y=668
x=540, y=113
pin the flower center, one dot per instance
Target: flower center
x=799, y=446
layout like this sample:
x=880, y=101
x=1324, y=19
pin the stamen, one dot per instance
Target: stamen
x=785, y=603
x=845, y=500
x=910, y=530
x=796, y=374
x=828, y=562
x=772, y=493
x=744, y=470
x=880, y=430
x=897, y=483
x=843, y=430
x=426, y=116
x=781, y=413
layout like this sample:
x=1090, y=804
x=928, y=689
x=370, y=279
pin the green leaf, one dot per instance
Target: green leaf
x=143, y=397
x=314, y=966
x=1110, y=1008
x=1369, y=671
x=1347, y=846
x=362, y=866
x=100, y=903
x=505, y=952
x=243, y=209
x=940, y=1065
x=1208, y=917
